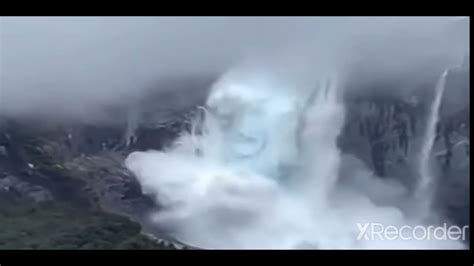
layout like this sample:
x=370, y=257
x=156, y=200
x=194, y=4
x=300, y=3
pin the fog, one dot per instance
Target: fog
x=266, y=153
x=74, y=66
x=265, y=170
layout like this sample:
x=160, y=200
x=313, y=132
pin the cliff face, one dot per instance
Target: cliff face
x=82, y=164
x=386, y=134
x=79, y=167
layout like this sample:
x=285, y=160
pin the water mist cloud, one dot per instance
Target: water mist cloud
x=253, y=177
x=265, y=170
x=244, y=183
x=73, y=66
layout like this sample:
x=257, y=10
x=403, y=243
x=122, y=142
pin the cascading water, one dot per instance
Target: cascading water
x=131, y=127
x=260, y=169
x=426, y=182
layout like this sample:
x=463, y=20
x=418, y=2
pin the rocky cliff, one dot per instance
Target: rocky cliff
x=385, y=133
x=81, y=165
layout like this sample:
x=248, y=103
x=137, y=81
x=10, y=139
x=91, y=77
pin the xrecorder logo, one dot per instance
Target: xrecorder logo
x=378, y=231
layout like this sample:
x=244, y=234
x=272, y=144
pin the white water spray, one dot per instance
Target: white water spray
x=261, y=170
x=426, y=175
x=131, y=127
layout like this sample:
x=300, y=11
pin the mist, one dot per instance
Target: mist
x=261, y=168
x=71, y=67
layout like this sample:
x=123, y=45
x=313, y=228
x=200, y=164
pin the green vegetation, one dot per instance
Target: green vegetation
x=74, y=219
x=52, y=225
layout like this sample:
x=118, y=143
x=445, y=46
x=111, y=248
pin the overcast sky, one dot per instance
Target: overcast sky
x=75, y=65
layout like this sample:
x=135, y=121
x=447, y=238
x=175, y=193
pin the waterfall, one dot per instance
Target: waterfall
x=131, y=127
x=260, y=169
x=426, y=175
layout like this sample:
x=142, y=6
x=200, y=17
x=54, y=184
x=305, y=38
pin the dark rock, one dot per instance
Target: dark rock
x=25, y=189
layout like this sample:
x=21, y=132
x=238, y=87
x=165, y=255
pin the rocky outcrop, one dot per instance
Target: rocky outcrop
x=113, y=187
x=13, y=184
x=70, y=164
x=385, y=131
x=386, y=134
x=82, y=164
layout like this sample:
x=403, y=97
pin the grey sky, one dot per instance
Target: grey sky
x=74, y=65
